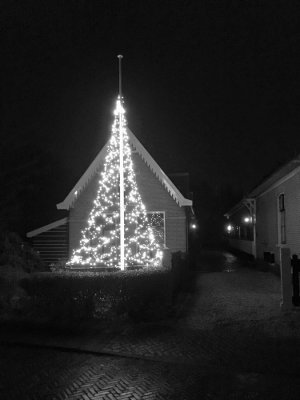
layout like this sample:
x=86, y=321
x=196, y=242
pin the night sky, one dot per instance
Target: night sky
x=211, y=88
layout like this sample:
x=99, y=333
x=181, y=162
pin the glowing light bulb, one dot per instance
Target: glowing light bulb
x=229, y=228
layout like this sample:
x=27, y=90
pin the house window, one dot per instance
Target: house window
x=157, y=222
x=281, y=202
x=155, y=218
x=282, y=222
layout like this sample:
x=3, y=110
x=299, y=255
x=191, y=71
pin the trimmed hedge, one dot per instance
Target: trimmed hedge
x=70, y=296
x=73, y=296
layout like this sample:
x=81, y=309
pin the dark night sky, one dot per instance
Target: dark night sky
x=211, y=87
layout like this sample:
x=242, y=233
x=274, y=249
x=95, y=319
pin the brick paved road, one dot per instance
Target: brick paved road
x=230, y=341
x=235, y=294
x=32, y=374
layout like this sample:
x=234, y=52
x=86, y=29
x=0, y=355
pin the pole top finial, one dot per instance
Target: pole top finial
x=120, y=56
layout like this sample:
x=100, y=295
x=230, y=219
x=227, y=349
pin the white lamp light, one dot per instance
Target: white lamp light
x=229, y=228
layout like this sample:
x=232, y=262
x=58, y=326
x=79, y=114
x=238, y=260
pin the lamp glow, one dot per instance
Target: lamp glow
x=229, y=228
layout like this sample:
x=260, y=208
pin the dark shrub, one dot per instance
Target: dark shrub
x=10, y=292
x=73, y=296
x=68, y=296
x=179, y=272
x=18, y=254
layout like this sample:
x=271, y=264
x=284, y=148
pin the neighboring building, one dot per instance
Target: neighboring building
x=169, y=211
x=269, y=217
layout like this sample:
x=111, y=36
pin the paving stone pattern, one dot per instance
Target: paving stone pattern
x=229, y=341
x=50, y=374
x=32, y=374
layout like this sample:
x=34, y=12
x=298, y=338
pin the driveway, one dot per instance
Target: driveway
x=229, y=289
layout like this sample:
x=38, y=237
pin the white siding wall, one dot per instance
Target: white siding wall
x=267, y=218
x=155, y=198
x=52, y=245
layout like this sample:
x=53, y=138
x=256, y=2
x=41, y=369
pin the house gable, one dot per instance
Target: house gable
x=158, y=193
x=154, y=195
x=98, y=162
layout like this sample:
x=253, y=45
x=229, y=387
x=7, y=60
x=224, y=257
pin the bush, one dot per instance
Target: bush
x=10, y=293
x=72, y=296
x=18, y=254
x=66, y=297
x=179, y=272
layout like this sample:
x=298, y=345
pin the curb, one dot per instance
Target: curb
x=99, y=353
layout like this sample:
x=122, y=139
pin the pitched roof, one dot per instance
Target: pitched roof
x=275, y=178
x=46, y=228
x=98, y=162
x=278, y=176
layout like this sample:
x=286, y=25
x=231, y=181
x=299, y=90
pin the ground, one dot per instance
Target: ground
x=229, y=339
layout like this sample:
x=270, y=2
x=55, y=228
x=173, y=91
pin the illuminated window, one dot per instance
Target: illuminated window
x=157, y=221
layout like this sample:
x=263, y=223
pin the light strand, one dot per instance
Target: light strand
x=100, y=243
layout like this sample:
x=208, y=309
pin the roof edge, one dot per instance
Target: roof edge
x=269, y=183
x=46, y=228
x=158, y=172
x=83, y=181
x=152, y=164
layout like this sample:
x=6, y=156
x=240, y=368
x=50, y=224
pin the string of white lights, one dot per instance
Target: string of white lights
x=101, y=241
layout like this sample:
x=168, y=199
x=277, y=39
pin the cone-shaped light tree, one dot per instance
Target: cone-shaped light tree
x=118, y=233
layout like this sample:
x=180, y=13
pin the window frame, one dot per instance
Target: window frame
x=164, y=219
x=281, y=219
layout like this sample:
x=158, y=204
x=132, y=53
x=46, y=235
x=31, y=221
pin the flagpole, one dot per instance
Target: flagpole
x=120, y=74
x=122, y=205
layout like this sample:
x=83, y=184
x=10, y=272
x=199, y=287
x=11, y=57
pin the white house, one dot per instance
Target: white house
x=169, y=211
x=268, y=218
